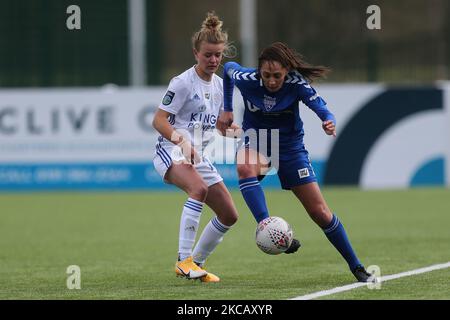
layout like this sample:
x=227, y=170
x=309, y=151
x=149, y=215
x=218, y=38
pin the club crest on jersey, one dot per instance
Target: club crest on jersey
x=168, y=98
x=217, y=98
x=303, y=173
x=207, y=95
x=269, y=102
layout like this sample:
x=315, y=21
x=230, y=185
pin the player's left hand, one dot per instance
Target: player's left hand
x=234, y=131
x=224, y=122
x=329, y=128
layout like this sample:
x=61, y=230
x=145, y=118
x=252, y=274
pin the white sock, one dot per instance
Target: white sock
x=190, y=219
x=211, y=236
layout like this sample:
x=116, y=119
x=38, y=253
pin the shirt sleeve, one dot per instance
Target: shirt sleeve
x=236, y=75
x=175, y=96
x=314, y=101
x=220, y=89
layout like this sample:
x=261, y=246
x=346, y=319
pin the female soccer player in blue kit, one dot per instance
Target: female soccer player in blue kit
x=271, y=95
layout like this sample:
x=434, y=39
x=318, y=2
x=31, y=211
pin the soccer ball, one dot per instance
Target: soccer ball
x=274, y=235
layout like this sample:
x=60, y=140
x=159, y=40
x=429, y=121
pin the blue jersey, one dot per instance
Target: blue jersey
x=278, y=110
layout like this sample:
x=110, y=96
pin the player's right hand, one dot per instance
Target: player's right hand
x=189, y=152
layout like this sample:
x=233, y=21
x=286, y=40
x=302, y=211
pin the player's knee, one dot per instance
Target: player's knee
x=199, y=192
x=321, y=215
x=246, y=171
x=322, y=211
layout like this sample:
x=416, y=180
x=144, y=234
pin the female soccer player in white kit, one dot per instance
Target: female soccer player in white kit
x=186, y=121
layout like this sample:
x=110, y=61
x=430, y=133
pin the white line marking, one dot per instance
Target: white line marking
x=361, y=284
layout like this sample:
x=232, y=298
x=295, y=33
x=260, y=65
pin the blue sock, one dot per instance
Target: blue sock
x=254, y=197
x=335, y=232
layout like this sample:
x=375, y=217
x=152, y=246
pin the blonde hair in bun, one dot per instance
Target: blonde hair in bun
x=210, y=32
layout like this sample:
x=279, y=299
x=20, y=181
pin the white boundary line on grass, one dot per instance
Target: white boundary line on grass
x=381, y=279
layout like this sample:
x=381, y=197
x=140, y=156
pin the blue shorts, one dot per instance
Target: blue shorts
x=295, y=171
x=293, y=165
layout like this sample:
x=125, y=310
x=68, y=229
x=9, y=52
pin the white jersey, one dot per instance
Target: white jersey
x=194, y=105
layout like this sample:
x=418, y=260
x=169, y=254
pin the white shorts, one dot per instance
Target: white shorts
x=167, y=152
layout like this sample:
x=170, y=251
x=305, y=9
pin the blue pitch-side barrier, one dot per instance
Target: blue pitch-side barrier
x=90, y=139
x=104, y=176
x=92, y=176
x=136, y=176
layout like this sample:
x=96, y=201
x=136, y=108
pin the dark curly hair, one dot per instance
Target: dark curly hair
x=291, y=60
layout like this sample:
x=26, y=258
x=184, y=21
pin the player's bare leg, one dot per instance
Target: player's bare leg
x=312, y=200
x=250, y=163
x=220, y=201
x=310, y=196
x=185, y=177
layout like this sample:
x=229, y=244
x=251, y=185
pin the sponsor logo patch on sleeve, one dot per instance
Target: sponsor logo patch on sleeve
x=168, y=98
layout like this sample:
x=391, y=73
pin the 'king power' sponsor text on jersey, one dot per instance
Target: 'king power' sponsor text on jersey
x=194, y=104
x=277, y=110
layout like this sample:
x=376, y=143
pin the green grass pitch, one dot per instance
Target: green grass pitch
x=126, y=242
